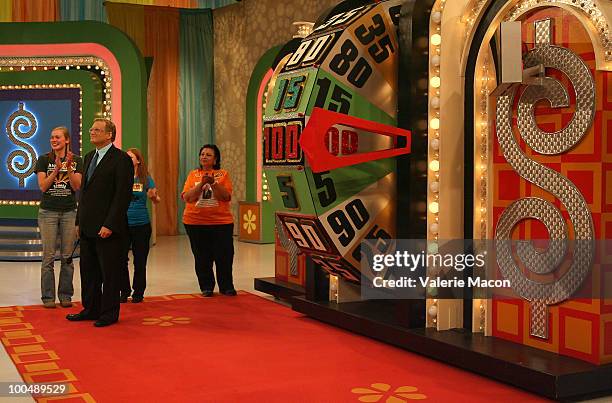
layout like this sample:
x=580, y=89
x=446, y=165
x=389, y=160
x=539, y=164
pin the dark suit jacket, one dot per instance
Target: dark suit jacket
x=106, y=197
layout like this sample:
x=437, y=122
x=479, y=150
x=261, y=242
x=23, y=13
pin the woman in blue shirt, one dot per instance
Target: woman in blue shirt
x=139, y=227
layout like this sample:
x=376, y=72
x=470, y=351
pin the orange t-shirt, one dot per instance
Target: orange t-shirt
x=208, y=210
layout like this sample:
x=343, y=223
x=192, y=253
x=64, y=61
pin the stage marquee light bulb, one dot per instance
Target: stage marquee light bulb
x=436, y=17
x=435, y=60
x=435, y=102
x=434, y=207
x=436, y=39
x=434, y=165
x=432, y=248
x=435, y=144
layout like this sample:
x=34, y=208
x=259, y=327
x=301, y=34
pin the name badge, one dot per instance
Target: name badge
x=137, y=187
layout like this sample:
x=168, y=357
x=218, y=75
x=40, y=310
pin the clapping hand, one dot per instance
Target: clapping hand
x=58, y=164
x=208, y=179
x=69, y=157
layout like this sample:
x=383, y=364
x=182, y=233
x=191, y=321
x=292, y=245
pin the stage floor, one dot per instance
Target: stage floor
x=170, y=271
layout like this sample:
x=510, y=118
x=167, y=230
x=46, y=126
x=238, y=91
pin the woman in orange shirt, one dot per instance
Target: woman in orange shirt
x=209, y=222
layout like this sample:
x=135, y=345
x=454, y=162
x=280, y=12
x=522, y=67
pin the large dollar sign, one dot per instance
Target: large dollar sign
x=21, y=163
x=541, y=295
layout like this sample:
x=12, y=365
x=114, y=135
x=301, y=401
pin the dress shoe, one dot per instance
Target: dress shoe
x=66, y=304
x=207, y=293
x=230, y=293
x=49, y=304
x=123, y=299
x=77, y=317
x=102, y=323
x=137, y=300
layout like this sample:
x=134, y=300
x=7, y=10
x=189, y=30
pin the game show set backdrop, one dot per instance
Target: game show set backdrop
x=174, y=39
x=429, y=119
x=62, y=75
x=510, y=144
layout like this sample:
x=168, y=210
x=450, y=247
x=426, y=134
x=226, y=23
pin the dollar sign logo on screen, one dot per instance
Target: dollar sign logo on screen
x=21, y=125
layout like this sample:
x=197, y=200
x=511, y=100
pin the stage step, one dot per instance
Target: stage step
x=20, y=256
x=20, y=240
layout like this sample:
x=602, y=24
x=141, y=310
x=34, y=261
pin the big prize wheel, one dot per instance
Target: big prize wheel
x=329, y=137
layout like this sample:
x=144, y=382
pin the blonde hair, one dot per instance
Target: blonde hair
x=66, y=134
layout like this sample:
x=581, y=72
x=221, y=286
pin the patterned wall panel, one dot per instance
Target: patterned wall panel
x=577, y=327
x=243, y=33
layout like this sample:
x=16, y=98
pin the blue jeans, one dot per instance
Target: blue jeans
x=53, y=224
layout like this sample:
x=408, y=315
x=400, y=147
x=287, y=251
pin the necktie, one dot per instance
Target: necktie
x=92, y=166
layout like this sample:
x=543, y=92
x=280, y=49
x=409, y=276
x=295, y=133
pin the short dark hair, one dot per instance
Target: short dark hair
x=215, y=149
x=109, y=126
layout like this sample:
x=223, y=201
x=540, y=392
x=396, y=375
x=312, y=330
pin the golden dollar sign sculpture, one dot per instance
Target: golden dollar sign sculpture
x=541, y=295
x=21, y=163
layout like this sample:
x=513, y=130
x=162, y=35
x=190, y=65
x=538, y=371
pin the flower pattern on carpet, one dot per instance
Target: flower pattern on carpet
x=378, y=391
x=165, y=321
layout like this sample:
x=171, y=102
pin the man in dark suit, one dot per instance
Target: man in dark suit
x=102, y=225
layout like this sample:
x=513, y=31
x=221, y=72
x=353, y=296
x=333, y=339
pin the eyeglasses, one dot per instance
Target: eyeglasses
x=96, y=130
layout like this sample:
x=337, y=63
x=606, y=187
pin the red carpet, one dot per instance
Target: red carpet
x=243, y=349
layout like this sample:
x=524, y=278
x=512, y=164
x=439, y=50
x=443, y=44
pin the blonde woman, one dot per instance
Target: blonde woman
x=59, y=177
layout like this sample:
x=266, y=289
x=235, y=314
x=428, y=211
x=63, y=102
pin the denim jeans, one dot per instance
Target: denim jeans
x=53, y=224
